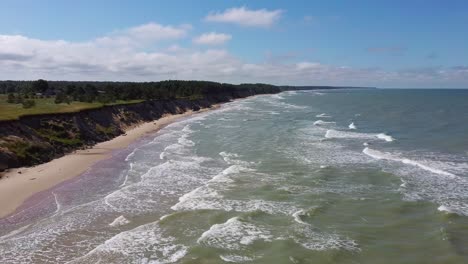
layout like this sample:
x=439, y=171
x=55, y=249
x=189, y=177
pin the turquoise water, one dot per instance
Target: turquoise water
x=346, y=176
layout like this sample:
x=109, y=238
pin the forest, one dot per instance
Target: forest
x=26, y=92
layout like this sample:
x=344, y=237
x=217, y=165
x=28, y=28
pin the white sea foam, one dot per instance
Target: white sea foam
x=14, y=232
x=444, y=208
x=58, y=206
x=331, y=133
x=224, y=178
x=352, y=126
x=278, y=103
x=318, y=241
x=234, y=234
x=144, y=244
x=183, y=140
x=385, y=137
x=323, y=115
x=126, y=175
x=321, y=122
x=277, y=96
x=171, y=178
x=119, y=221
x=293, y=260
x=388, y=156
x=233, y=159
x=129, y=156
x=202, y=192
x=403, y=184
x=201, y=202
x=297, y=217
x=224, y=175
x=236, y=258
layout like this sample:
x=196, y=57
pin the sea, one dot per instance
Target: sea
x=322, y=176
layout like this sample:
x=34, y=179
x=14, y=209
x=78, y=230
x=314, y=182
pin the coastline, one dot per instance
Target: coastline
x=18, y=184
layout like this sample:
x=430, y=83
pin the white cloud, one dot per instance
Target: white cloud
x=144, y=34
x=127, y=59
x=212, y=38
x=245, y=17
x=307, y=65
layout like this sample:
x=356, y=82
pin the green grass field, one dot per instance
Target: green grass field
x=47, y=106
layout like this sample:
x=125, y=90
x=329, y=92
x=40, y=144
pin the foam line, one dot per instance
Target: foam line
x=387, y=156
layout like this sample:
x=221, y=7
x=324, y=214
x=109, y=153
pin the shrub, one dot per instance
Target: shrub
x=11, y=98
x=19, y=99
x=29, y=103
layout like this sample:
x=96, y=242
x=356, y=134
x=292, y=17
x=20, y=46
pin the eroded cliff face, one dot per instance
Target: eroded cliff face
x=37, y=139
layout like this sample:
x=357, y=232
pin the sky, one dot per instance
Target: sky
x=393, y=44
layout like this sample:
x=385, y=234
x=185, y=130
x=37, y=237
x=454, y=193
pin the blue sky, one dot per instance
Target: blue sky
x=369, y=43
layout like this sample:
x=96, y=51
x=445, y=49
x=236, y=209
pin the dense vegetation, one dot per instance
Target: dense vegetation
x=66, y=91
x=18, y=98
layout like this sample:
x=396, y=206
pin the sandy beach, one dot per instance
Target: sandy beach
x=18, y=184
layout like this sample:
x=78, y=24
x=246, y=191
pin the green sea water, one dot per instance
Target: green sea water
x=345, y=176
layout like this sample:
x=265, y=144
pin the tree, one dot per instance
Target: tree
x=60, y=97
x=40, y=86
x=11, y=98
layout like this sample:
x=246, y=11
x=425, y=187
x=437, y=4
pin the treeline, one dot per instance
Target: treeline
x=67, y=91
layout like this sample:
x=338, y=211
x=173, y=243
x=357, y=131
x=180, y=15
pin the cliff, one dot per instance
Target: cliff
x=40, y=138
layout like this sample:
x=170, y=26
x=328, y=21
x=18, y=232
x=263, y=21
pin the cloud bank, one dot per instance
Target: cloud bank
x=151, y=52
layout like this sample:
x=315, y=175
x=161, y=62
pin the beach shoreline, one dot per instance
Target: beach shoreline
x=17, y=185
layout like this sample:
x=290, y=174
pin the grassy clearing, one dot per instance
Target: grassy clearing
x=47, y=106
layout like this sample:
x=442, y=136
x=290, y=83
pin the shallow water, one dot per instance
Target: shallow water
x=271, y=179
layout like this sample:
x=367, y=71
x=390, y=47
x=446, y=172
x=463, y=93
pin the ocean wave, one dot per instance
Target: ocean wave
x=170, y=179
x=224, y=175
x=427, y=180
x=236, y=258
x=352, y=126
x=119, y=221
x=323, y=115
x=321, y=122
x=385, y=137
x=215, y=203
x=234, y=234
x=315, y=240
x=14, y=232
x=279, y=103
x=444, y=208
x=202, y=192
x=297, y=216
x=183, y=140
x=233, y=159
x=331, y=133
x=388, y=156
x=277, y=96
x=144, y=244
